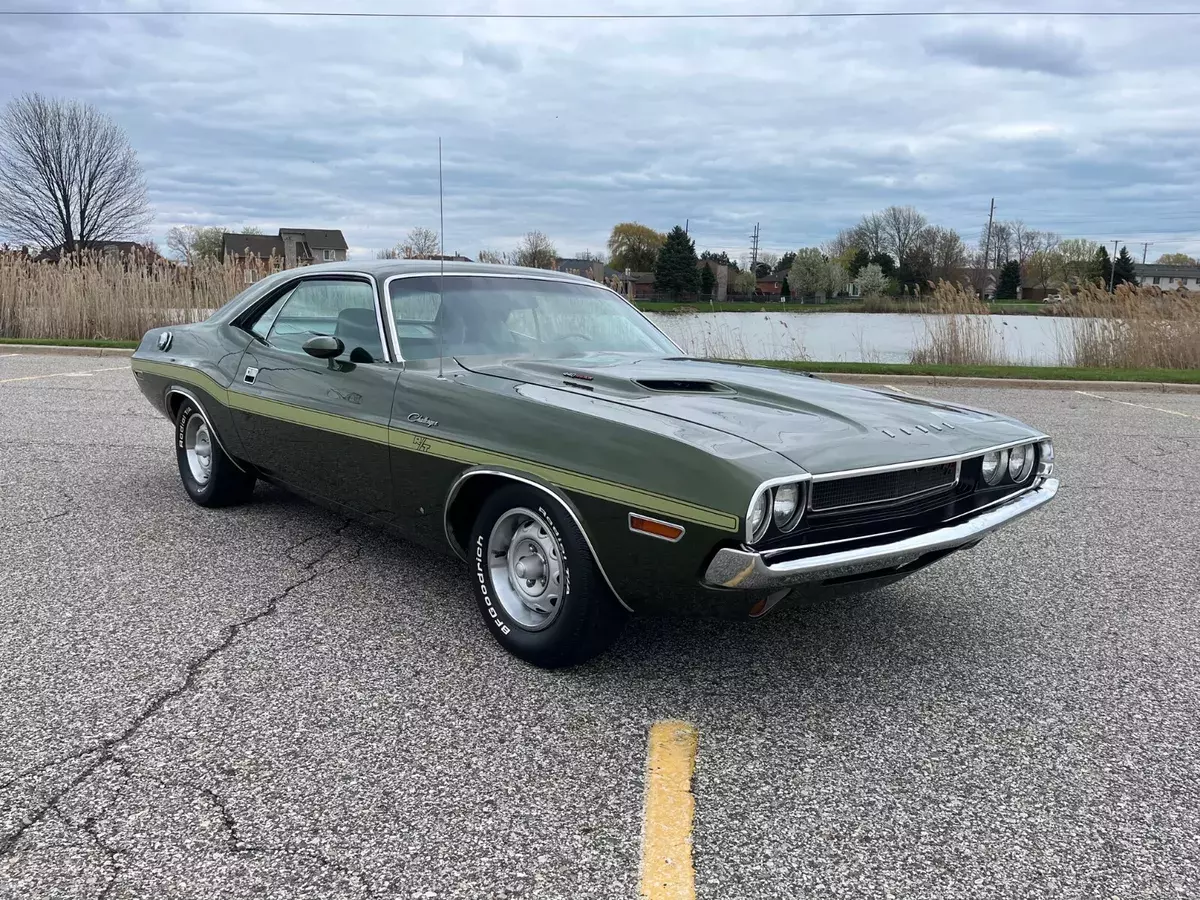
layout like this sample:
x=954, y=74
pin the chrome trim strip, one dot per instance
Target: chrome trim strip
x=949, y=485
x=456, y=486
x=746, y=570
x=919, y=463
x=675, y=540
x=184, y=392
x=549, y=276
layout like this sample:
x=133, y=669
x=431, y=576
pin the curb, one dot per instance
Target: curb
x=55, y=350
x=1042, y=384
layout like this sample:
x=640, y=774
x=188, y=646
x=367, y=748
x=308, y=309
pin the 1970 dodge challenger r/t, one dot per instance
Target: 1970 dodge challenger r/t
x=582, y=465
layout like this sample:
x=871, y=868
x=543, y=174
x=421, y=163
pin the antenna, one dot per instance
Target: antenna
x=442, y=263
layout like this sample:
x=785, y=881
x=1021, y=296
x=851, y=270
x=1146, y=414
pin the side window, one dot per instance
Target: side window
x=343, y=308
x=262, y=325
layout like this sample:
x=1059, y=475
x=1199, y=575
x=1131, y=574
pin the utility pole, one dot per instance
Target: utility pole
x=1145, y=247
x=754, y=251
x=1112, y=268
x=987, y=249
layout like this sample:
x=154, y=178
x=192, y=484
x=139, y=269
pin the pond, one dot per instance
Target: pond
x=852, y=337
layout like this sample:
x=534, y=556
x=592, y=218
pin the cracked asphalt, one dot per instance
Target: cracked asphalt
x=271, y=701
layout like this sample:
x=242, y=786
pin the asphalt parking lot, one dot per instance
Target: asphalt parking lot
x=271, y=702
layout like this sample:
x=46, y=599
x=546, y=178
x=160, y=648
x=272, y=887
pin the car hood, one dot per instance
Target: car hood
x=818, y=425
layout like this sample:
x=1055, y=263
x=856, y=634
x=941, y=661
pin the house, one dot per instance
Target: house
x=290, y=248
x=1169, y=278
x=124, y=250
x=637, y=285
x=771, y=285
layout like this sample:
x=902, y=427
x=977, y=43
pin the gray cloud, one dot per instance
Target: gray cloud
x=492, y=55
x=569, y=128
x=1047, y=53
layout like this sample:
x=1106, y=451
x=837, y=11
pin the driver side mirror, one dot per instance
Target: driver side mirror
x=324, y=346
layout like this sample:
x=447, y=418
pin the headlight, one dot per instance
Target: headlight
x=1020, y=462
x=759, y=517
x=1046, y=458
x=993, y=466
x=786, y=508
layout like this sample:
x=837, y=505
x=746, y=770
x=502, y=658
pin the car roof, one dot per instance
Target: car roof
x=386, y=268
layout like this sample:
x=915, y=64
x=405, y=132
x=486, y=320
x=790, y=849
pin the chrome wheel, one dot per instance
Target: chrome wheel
x=197, y=444
x=525, y=561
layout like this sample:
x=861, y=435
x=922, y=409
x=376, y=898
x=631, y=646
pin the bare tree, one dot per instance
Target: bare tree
x=192, y=242
x=67, y=175
x=871, y=235
x=901, y=225
x=590, y=256
x=845, y=240
x=1002, y=244
x=536, y=251
x=1026, y=241
x=944, y=250
x=421, y=243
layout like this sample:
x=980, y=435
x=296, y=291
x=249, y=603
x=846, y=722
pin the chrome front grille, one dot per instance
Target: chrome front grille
x=882, y=487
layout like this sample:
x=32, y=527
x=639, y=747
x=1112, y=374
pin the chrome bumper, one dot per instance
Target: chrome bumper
x=749, y=570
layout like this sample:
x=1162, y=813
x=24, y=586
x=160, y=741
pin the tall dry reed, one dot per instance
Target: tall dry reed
x=1136, y=327
x=103, y=298
x=958, y=329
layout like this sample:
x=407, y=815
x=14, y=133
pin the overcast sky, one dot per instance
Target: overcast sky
x=1085, y=126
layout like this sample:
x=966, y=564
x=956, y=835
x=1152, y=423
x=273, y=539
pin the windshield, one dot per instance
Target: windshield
x=480, y=315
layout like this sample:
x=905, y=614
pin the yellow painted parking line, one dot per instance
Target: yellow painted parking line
x=667, y=872
x=1169, y=412
x=62, y=374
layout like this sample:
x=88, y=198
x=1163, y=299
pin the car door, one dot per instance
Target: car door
x=319, y=425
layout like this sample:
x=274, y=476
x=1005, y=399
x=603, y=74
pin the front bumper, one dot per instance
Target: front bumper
x=748, y=570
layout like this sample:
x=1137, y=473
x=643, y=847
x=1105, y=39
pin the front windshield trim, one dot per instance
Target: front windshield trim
x=548, y=276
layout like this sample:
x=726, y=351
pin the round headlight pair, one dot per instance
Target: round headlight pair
x=1020, y=462
x=782, y=504
x=1017, y=461
x=994, y=464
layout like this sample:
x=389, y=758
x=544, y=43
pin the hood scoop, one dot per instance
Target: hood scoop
x=683, y=386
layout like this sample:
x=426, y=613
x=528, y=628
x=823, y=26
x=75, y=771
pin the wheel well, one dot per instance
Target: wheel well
x=173, y=400
x=465, y=506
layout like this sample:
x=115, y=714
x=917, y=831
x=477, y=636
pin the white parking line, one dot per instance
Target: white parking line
x=61, y=374
x=1169, y=412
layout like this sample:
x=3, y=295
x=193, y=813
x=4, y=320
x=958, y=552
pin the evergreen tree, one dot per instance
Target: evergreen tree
x=1010, y=281
x=785, y=262
x=886, y=264
x=676, y=272
x=784, y=290
x=859, y=261
x=708, y=281
x=1124, y=271
x=1103, y=266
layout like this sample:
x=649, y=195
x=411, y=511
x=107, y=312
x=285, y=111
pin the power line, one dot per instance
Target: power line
x=875, y=14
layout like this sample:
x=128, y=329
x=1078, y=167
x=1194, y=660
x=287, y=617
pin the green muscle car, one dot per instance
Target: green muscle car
x=542, y=429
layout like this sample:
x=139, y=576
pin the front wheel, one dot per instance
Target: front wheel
x=536, y=583
x=208, y=474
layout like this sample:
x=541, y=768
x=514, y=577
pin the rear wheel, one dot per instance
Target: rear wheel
x=536, y=583
x=208, y=474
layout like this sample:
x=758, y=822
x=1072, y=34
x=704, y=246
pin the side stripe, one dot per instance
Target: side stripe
x=413, y=442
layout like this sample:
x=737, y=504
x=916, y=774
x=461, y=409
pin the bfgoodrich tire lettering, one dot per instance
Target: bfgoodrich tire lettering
x=208, y=475
x=581, y=617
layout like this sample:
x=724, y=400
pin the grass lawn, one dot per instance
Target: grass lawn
x=1001, y=308
x=69, y=342
x=1049, y=373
